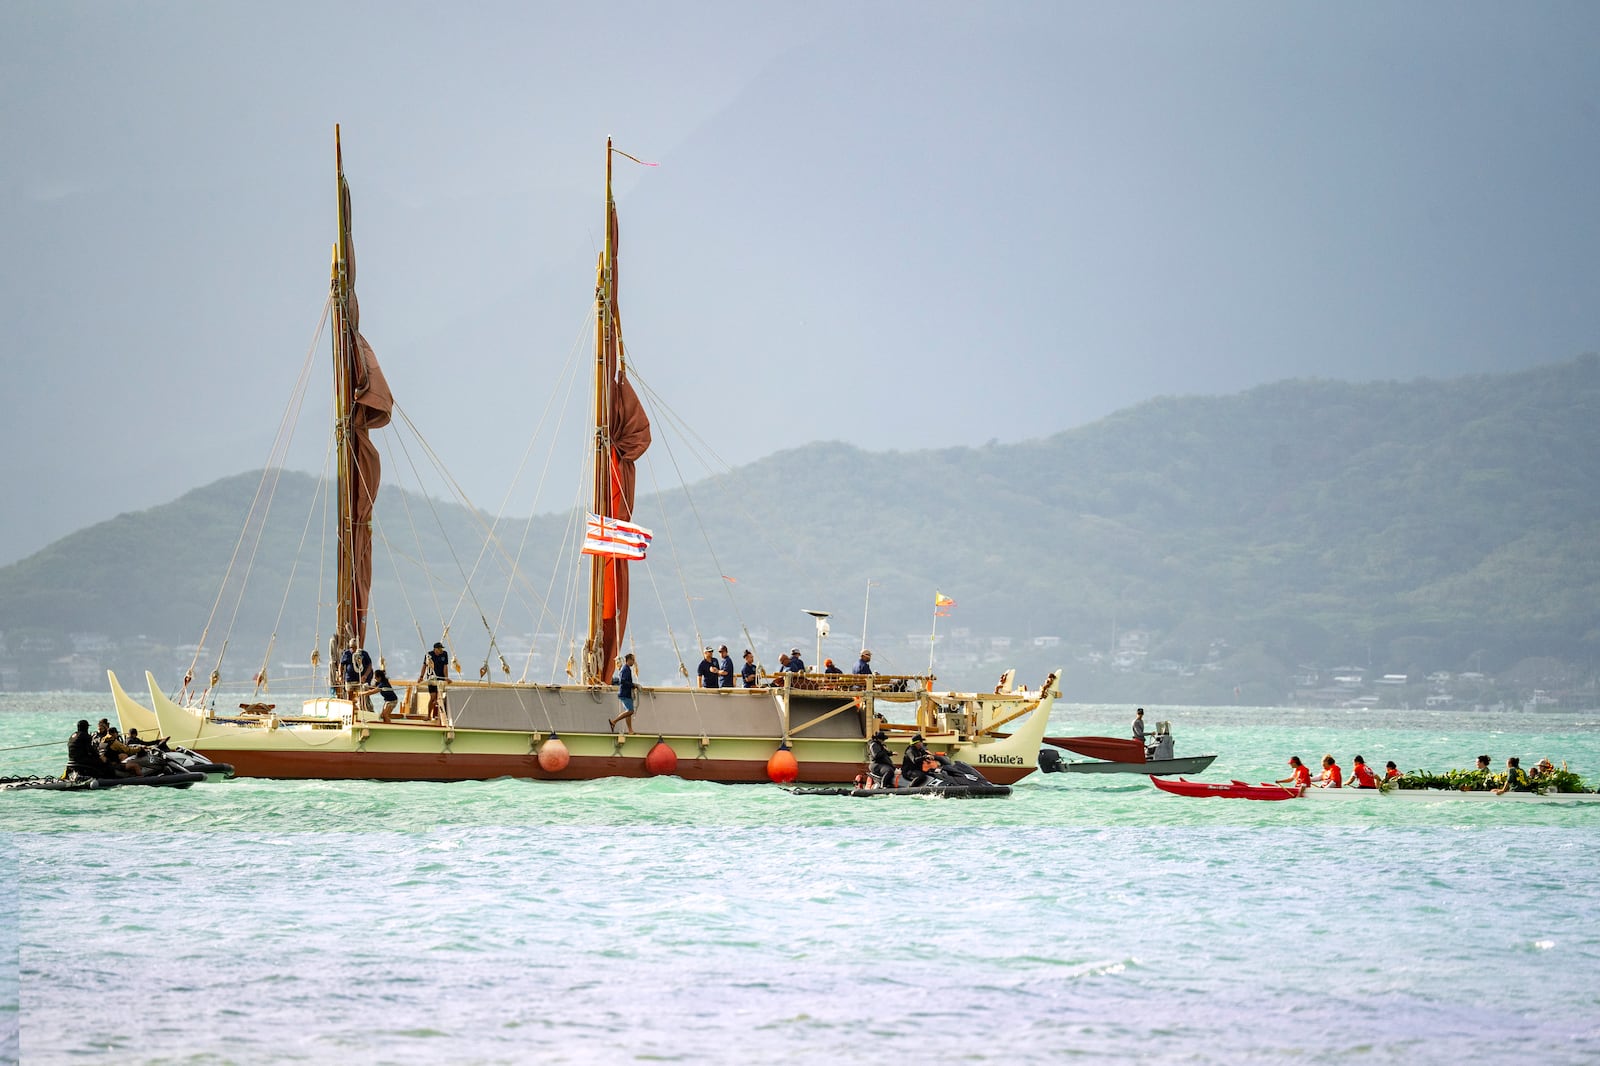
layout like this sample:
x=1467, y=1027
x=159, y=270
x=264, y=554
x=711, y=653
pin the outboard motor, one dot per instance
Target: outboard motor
x=1049, y=761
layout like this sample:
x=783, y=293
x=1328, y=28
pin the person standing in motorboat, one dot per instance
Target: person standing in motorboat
x=1138, y=725
x=880, y=761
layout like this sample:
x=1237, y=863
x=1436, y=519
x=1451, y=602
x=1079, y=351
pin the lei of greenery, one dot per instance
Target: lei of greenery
x=1483, y=780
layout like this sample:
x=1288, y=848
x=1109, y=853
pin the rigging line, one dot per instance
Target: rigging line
x=299, y=553
x=739, y=500
x=468, y=592
x=411, y=523
x=399, y=580
x=322, y=557
x=286, y=423
x=473, y=514
x=570, y=375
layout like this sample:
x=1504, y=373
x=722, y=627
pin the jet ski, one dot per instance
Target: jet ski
x=951, y=778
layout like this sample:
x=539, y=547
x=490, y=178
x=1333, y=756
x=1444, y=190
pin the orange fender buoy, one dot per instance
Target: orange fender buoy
x=661, y=759
x=553, y=755
x=783, y=767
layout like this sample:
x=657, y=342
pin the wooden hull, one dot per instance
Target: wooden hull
x=725, y=735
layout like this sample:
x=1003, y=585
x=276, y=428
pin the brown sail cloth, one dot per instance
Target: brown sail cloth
x=370, y=408
x=630, y=437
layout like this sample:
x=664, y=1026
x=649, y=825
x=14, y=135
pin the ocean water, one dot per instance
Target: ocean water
x=660, y=920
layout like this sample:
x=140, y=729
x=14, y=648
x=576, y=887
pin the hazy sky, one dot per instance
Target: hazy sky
x=901, y=225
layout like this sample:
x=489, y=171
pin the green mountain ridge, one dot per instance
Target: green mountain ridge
x=1404, y=526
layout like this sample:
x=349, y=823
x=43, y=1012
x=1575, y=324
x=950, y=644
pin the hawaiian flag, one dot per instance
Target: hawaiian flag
x=615, y=538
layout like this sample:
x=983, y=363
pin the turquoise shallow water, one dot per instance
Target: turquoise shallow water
x=660, y=920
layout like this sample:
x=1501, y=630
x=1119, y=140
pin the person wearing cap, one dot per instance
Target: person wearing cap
x=707, y=670
x=911, y=772
x=796, y=665
x=437, y=667
x=1138, y=725
x=625, y=689
x=880, y=761
x=725, y=667
x=864, y=664
x=829, y=668
x=1299, y=774
x=748, y=672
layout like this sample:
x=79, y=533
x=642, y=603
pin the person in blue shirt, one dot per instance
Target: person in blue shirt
x=748, y=672
x=864, y=664
x=796, y=664
x=625, y=688
x=725, y=666
x=708, y=671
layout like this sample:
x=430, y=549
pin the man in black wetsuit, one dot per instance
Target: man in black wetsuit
x=881, y=760
x=911, y=773
x=82, y=757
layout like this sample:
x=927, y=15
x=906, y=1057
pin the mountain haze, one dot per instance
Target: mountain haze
x=1406, y=526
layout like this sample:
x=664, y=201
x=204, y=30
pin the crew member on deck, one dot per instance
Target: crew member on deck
x=625, y=689
x=724, y=667
x=438, y=667
x=829, y=668
x=708, y=671
x=864, y=664
x=796, y=664
x=380, y=679
x=748, y=672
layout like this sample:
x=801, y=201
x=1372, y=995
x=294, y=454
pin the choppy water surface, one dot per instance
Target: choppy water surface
x=612, y=921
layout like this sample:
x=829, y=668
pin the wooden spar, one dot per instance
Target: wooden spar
x=343, y=387
x=593, y=648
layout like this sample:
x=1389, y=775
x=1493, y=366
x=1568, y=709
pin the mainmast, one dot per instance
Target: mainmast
x=605, y=346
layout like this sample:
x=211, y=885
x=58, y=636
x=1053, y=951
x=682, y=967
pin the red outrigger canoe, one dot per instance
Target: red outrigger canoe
x=1225, y=789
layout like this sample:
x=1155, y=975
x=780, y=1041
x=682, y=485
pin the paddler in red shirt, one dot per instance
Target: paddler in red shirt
x=1332, y=776
x=1299, y=774
x=1363, y=774
x=1391, y=772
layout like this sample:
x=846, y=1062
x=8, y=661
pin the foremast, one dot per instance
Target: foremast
x=362, y=402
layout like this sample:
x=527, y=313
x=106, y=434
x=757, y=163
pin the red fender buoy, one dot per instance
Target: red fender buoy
x=661, y=759
x=553, y=755
x=783, y=767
